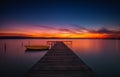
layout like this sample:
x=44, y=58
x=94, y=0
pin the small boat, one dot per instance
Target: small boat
x=36, y=47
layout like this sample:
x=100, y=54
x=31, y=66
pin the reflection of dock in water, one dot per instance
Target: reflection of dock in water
x=60, y=61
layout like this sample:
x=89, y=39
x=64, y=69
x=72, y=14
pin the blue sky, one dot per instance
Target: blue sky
x=93, y=14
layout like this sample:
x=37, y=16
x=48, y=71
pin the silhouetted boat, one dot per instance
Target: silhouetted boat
x=36, y=47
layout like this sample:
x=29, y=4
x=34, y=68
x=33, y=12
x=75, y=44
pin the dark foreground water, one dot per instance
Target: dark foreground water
x=103, y=56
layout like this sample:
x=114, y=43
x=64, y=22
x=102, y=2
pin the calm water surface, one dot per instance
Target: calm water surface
x=103, y=56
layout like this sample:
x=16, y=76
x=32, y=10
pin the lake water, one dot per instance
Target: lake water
x=103, y=56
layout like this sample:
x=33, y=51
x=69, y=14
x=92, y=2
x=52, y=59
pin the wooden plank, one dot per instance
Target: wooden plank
x=60, y=61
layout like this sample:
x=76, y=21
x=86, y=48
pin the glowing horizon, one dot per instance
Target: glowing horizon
x=68, y=31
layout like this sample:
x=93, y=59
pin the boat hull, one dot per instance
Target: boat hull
x=36, y=48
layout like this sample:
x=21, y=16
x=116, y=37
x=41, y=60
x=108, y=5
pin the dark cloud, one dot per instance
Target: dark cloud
x=105, y=30
x=44, y=26
x=66, y=30
x=78, y=27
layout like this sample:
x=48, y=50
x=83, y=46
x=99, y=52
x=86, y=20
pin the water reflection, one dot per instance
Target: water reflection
x=117, y=45
x=22, y=44
x=14, y=60
x=87, y=46
x=103, y=56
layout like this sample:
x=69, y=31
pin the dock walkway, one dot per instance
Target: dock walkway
x=60, y=61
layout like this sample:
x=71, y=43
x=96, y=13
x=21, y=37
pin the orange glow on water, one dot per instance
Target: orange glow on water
x=87, y=46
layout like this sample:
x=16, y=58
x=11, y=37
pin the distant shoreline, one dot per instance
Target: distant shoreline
x=9, y=37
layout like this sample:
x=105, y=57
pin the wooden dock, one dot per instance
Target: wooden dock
x=60, y=61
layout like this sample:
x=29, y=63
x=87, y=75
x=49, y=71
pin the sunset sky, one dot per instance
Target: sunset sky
x=60, y=18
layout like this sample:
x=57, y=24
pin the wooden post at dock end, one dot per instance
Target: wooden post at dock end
x=5, y=47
